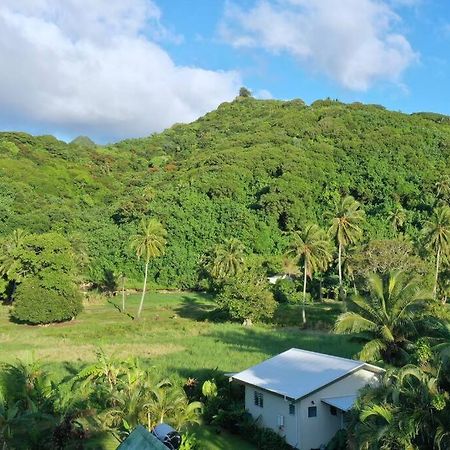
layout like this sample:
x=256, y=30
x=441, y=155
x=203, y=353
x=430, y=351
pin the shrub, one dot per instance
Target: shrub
x=36, y=304
x=285, y=291
x=247, y=298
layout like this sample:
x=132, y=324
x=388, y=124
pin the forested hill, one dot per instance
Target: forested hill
x=252, y=169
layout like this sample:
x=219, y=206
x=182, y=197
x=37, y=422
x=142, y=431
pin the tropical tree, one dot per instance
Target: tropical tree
x=387, y=315
x=437, y=237
x=11, y=262
x=346, y=227
x=397, y=217
x=148, y=243
x=312, y=249
x=409, y=409
x=227, y=259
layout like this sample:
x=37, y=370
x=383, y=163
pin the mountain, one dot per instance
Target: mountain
x=251, y=169
x=83, y=141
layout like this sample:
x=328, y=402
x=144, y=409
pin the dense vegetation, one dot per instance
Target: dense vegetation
x=251, y=170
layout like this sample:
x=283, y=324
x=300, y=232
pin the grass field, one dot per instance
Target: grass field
x=173, y=335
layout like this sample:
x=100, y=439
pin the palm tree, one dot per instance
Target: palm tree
x=397, y=217
x=148, y=243
x=227, y=259
x=408, y=410
x=346, y=226
x=437, y=237
x=312, y=249
x=386, y=315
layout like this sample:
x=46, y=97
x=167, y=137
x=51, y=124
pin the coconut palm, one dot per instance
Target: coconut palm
x=386, y=315
x=437, y=237
x=312, y=249
x=148, y=243
x=397, y=217
x=227, y=259
x=346, y=226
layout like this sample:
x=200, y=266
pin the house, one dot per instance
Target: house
x=304, y=395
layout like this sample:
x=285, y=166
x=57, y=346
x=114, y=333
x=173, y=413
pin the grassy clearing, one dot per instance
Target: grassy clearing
x=172, y=335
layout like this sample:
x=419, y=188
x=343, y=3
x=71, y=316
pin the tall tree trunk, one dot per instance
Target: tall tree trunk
x=340, y=265
x=143, y=291
x=123, y=293
x=438, y=257
x=304, y=294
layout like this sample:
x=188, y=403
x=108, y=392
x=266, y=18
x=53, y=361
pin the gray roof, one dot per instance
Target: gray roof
x=297, y=373
x=141, y=439
x=344, y=403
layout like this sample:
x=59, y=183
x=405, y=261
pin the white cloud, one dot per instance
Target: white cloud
x=353, y=42
x=95, y=67
x=263, y=94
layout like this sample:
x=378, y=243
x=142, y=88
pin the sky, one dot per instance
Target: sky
x=114, y=69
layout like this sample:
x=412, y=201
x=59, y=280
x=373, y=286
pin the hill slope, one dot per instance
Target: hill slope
x=251, y=169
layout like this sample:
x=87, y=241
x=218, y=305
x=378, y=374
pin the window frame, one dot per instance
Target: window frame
x=258, y=399
x=292, y=408
x=312, y=409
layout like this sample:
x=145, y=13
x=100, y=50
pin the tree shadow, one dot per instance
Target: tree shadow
x=194, y=308
x=258, y=340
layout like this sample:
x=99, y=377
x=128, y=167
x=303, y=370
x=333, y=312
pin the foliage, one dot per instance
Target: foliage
x=409, y=409
x=148, y=243
x=312, y=250
x=388, y=315
x=35, y=303
x=247, y=298
x=285, y=291
x=250, y=170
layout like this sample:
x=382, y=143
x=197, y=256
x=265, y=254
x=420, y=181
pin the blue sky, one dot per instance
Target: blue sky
x=112, y=69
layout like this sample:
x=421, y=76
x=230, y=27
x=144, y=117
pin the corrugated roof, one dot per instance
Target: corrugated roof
x=344, y=403
x=141, y=439
x=296, y=373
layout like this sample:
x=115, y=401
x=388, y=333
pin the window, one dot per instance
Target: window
x=259, y=399
x=312, y=411
x=333, y=410
x=292, y=408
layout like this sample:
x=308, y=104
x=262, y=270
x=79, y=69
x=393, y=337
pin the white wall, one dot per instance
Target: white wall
x=274, y=405
x=317, y=431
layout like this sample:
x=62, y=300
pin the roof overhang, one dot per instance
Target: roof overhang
x=344, y=403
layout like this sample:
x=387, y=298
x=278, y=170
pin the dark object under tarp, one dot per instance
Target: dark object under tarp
x=141, y=439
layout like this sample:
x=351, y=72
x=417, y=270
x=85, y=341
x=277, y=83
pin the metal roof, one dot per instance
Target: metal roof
x=296, y=373
x=344, y=403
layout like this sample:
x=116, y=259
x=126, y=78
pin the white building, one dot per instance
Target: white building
x=304, y=395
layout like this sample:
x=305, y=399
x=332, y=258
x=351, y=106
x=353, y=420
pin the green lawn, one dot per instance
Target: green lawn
x=173, y=335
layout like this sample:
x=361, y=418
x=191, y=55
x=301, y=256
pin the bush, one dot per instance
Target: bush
x=247, y=298
x=285, y=291
x=35, y=304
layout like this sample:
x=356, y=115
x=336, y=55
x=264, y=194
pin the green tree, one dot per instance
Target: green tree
x=397, y=217
x=247, y=298
x=227, y=259
x=244, y=92
x=148, y=243
x=312, y=249
x=437, y=237
x=346, y=226
x=11, y=263
x=410, y=409
x=387, y=315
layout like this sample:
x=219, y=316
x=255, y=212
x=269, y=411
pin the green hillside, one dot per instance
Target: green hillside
x=252, y=169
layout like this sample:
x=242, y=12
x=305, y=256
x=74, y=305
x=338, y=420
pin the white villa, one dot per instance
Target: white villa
x=304, y=395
